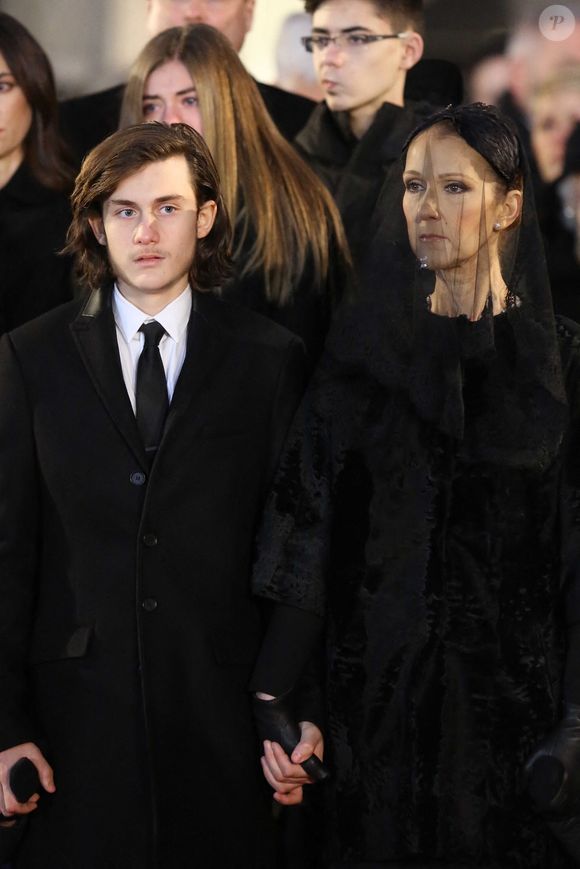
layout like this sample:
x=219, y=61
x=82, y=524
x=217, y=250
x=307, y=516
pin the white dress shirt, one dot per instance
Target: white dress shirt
x=172, y=347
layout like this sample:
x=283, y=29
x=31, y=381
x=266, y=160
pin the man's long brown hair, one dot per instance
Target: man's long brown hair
x=276, y=201
x=120, y=156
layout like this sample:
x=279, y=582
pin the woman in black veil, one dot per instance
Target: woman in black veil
x=428, y=507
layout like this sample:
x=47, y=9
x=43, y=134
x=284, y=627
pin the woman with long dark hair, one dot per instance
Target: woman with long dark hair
x=428, y=505
x=34, y=181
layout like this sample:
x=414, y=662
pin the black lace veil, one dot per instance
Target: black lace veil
x=488, y=377
x=483, y=387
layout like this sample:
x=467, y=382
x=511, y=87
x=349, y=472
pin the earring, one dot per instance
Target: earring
x=497, y=226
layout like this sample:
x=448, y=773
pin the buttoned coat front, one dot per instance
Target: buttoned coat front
x=127, y=631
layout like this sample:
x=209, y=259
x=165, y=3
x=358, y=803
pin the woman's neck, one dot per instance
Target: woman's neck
x=9, y=165
x=465, y=290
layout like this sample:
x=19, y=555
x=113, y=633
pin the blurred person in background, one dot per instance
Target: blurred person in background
x=34, y=180
x=295, y=70
x=554, y=112
x=533, y=59
x=554, y=118
x=89, y=119
x=488, y=79
x=289, y=251
x=488, y=74
x=362, y=51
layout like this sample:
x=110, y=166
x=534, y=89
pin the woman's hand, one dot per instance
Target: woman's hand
x=284, y=774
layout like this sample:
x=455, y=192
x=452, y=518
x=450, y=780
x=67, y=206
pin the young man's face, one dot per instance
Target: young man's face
x=355, y=77
x=232, y=17
x=150, y=226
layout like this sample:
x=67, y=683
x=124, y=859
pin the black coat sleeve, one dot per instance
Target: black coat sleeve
x=19, y=547
x=293, y=541
x=569, y=337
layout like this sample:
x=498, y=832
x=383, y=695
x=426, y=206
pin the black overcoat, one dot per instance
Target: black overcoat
x=33, y=224
x=127, y=631
x=357, y=170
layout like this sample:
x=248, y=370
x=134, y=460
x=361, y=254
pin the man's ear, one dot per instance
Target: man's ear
x=413, y=47
x=206, y=216
x=98, y=228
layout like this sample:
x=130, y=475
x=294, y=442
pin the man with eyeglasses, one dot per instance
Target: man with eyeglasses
x=362, y=51
x=88, y=120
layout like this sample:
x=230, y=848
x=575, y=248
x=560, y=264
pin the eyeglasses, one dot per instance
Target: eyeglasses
x=345, y=40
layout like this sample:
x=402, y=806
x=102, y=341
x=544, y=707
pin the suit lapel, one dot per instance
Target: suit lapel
x=207, y=343
x=94, y=334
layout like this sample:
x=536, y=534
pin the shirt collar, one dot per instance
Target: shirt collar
x=174, y=317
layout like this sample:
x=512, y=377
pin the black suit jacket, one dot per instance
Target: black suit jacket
x=87, y=120
x=127, y=630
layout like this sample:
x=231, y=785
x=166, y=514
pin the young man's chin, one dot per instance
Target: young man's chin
x=338, y=103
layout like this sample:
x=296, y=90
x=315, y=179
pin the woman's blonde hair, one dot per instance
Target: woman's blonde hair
x=274, y=199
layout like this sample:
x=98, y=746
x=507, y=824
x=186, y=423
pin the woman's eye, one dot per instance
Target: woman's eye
x=456, y=187
x=6, y=86
x=149, y=108
x=190, y=101
x=413, y=186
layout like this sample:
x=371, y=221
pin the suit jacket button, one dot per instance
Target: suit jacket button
x=149, y=604
x=150, y=540
x=137, y=478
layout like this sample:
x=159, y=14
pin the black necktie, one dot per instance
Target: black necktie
x=151, y=388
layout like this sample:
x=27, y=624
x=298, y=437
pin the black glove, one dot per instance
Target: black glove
x=275, y=722
x=23, y=782
x=554, y=779
x=554, y=768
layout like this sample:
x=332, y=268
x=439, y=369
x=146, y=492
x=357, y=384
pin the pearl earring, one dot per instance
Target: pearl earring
x=497, y=226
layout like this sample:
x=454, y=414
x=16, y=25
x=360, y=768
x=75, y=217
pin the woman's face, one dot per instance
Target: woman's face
x=452, y=200
x=554, y=117
x=170, y=96
x=15, y=116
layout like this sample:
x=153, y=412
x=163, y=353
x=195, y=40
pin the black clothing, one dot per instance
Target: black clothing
x=354, y=170
x=151, y=399
x=309, y=312
x=33, y=225
x=127, y=631
x=289, y=111
x=428, y=502
x=437, y=82
x=561, y=257
x=87, y=120
x=445, y=623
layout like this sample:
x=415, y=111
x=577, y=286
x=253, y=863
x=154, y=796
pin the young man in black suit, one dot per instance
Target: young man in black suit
x=138, y=435
x=87, y=120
